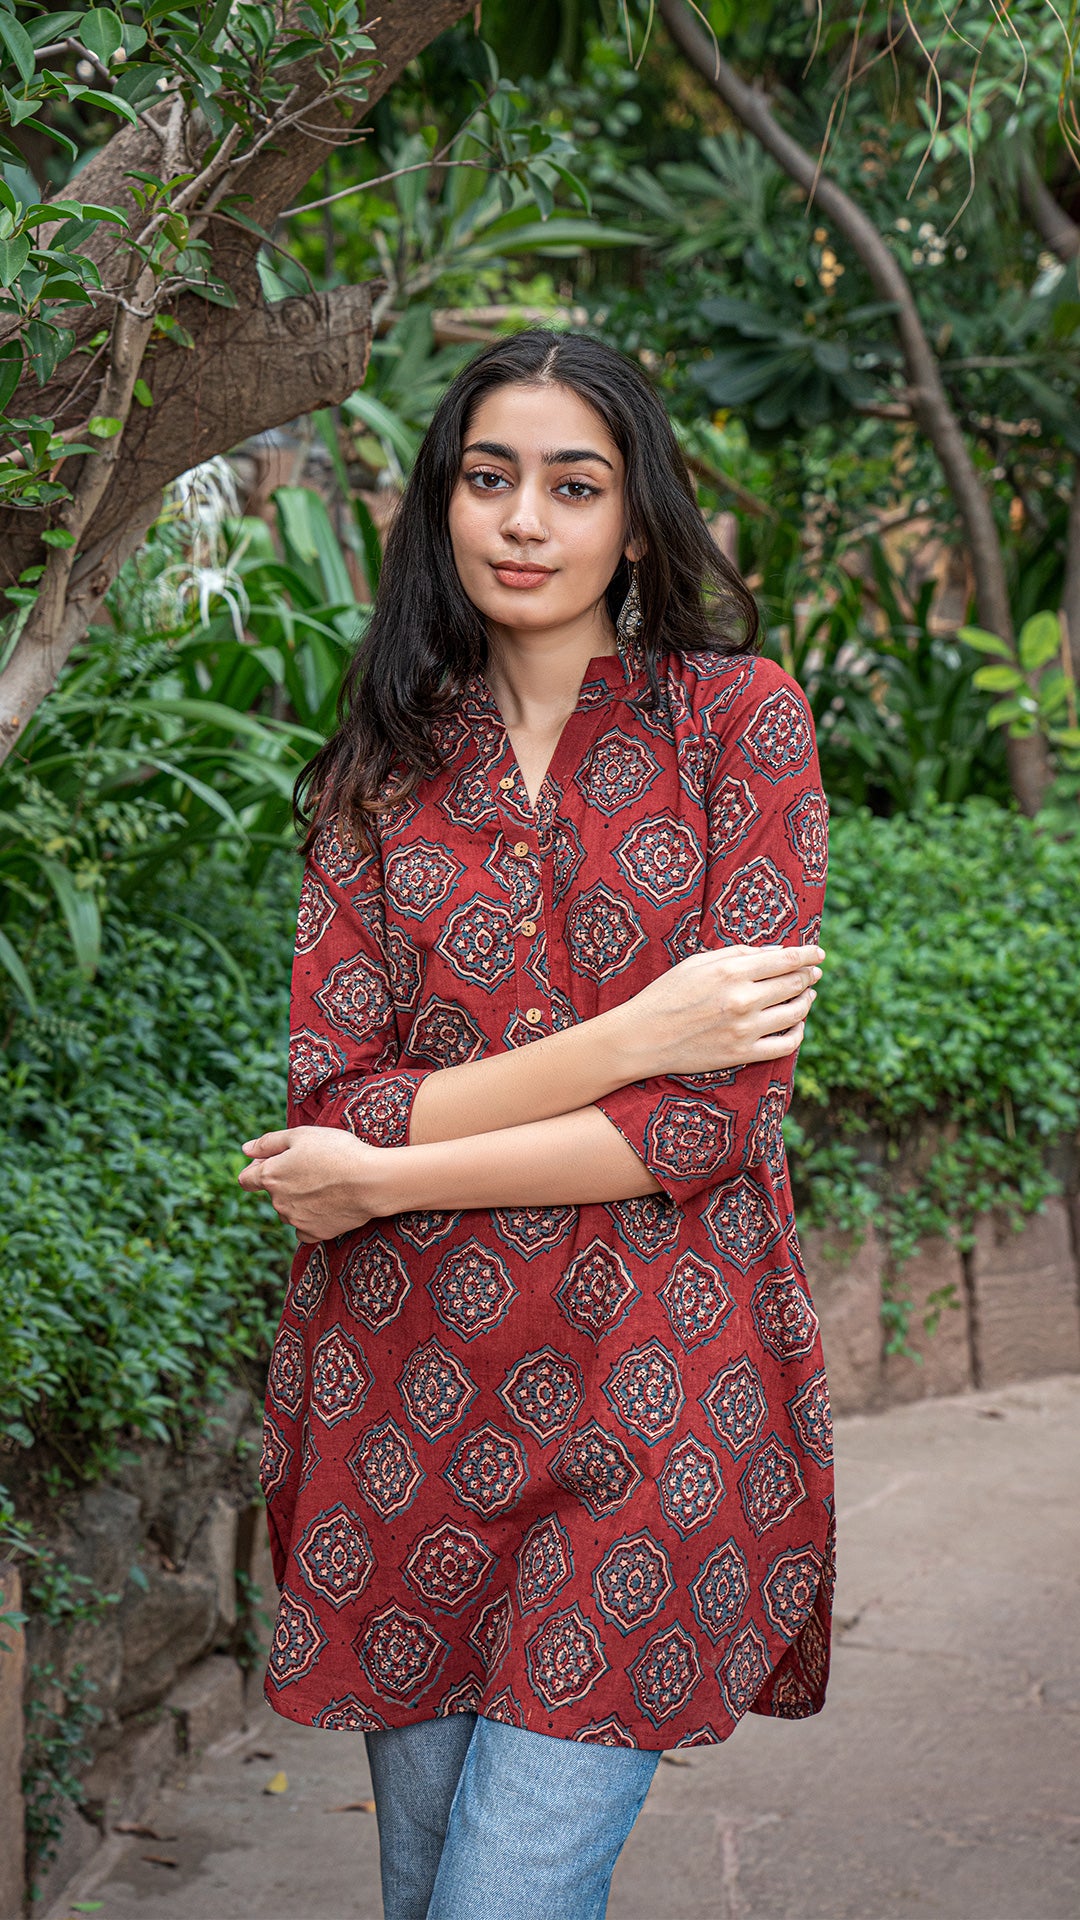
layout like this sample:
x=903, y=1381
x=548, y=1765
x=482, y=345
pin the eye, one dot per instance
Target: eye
x=484, y=473
x=586, y=492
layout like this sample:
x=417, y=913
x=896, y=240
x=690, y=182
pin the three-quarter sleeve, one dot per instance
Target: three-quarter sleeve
x=345, y=1041
x=766, y=861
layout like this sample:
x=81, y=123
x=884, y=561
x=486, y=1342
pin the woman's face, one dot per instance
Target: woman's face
x=537, y=517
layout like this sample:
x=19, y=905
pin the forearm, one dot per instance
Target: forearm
x=569, y=1160
x=557, y=1075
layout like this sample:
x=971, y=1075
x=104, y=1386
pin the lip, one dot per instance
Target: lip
x=511, y=573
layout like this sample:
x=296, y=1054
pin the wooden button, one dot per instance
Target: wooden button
x=507, y=780
x=521, y=848
x=534, y=1016
x=528, y=928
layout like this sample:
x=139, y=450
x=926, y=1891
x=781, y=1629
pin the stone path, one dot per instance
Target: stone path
x=940, y=1783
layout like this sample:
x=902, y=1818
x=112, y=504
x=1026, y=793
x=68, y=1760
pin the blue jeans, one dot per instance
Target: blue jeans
x=481, y=1821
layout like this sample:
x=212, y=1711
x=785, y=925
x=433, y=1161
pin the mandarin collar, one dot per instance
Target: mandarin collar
x=606, y=676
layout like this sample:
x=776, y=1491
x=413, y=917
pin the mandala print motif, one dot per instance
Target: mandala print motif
x=487, y=1471
x=469, y=802
x=665, y=1674
x=385, y=1469
x=425, y=1228
x=811, y=1419
x=533, y=1230
x=464, y=1698
x=684, y=938
x=790, y=1589
x=374, y=1282
x=736, y=1406
x=807, y=824
x=544, y=1564
x=507, y=1708
x=695, y=1299
x=348, y=1715
x=307, y=1290
x=472, y=1290
x=314, y=914
x=741, y=1223
x=721, y=1590
x=478, y=943
x=705, y=1736
x=732, y=811
x=597, y=1290
x=596, y=1468
x=771, y=1486
x=778, y=742
x=400, y=1654
x=313, y=1060
x=790, y=1697
x=688, y=1139
x=379, y=1114
x=285, y=1378
x=602, y=934
x=565, y=1658
x=695, y=761
x=661, y=858
x=444, y=1035
x=421, y=877
x=448, y=1567
x=813, y=1651
x=275, y=1458
x=633, y=1581
x=297, y=1643
x=310, y=1457
x=370, y=910
x=744, y=1671
x=339, y=856
x=567, y=854
x=785, y=1320
x=645, y=1390
x=606, y=1733
x=404, y=967
x=618, y=771
x=340, y=1377
x=691, y=1486
x=335, y=1556
x=354, y=998
x=491, y=1634
x=765, y=1139
x=756, y=906
x=648, y=1224
x=543, y=1392
x=435, y=1390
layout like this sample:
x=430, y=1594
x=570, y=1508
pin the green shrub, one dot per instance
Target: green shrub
x=950, y=1003
x=139, y=1277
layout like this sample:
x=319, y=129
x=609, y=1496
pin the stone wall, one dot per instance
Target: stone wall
x=1014, y=1309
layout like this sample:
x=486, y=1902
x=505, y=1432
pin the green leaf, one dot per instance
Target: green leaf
x=984, y=642
x=999, y=679
x=19, y=45
x=142, y=393
x=58, y=537
x=1003, y=711
x=14, y=254
x=105, y=426
x=103, y=32
x=11, y=366
x=14, y=967
x=80, y=910
x=1040, y=641
x=111, y=102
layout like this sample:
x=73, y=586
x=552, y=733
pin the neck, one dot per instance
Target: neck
x=533, y=675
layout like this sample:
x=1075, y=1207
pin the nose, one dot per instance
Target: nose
x=523, y=519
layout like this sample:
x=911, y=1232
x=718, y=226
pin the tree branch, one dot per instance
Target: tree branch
x=1050, y=221
x=1028, y=764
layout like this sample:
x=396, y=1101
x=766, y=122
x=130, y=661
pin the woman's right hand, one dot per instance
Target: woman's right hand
x=720, y=1009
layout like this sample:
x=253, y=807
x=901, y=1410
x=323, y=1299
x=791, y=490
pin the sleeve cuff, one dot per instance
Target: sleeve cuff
x=683, y=1137
x=379, y=1112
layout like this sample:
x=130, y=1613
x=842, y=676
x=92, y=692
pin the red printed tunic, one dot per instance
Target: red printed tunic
x=569, y=1467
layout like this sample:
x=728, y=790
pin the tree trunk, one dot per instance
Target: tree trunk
x=1029, y=769
x=250, y=368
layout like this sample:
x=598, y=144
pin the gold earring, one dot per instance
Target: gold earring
x=631, y=619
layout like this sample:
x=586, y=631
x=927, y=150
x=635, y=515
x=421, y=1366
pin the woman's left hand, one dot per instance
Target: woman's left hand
x=319, y=1179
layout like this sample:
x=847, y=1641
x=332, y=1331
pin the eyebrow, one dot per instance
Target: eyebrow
x=560, y=457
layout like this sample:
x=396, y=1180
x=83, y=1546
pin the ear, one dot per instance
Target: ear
x=634, y=549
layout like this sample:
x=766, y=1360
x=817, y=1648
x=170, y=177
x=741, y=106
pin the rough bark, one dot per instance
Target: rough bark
x=1050, y=220
x=251, y=367
x=1028, y=763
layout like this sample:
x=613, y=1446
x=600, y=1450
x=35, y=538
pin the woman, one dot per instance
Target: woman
x=547, y=1457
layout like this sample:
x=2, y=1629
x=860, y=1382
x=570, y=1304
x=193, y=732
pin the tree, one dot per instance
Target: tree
x=135, y=338
x=924, y=393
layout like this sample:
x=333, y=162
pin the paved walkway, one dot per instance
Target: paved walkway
x=942, y=1782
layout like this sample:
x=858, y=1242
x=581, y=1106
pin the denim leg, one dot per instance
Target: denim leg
x=414, y=1771
x=536, y=1826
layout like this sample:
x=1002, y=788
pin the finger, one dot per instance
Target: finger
x=788, y=1012
x=770, y=995
x=775, y=1046
x=767, y=962
x=268, y=1143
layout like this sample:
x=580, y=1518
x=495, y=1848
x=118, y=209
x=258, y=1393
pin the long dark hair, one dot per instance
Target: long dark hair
x=426, y=637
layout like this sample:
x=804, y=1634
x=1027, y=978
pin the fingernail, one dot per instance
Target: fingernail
x=815, y=973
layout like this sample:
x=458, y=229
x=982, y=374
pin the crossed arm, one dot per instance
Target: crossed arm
x=522, y=1128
